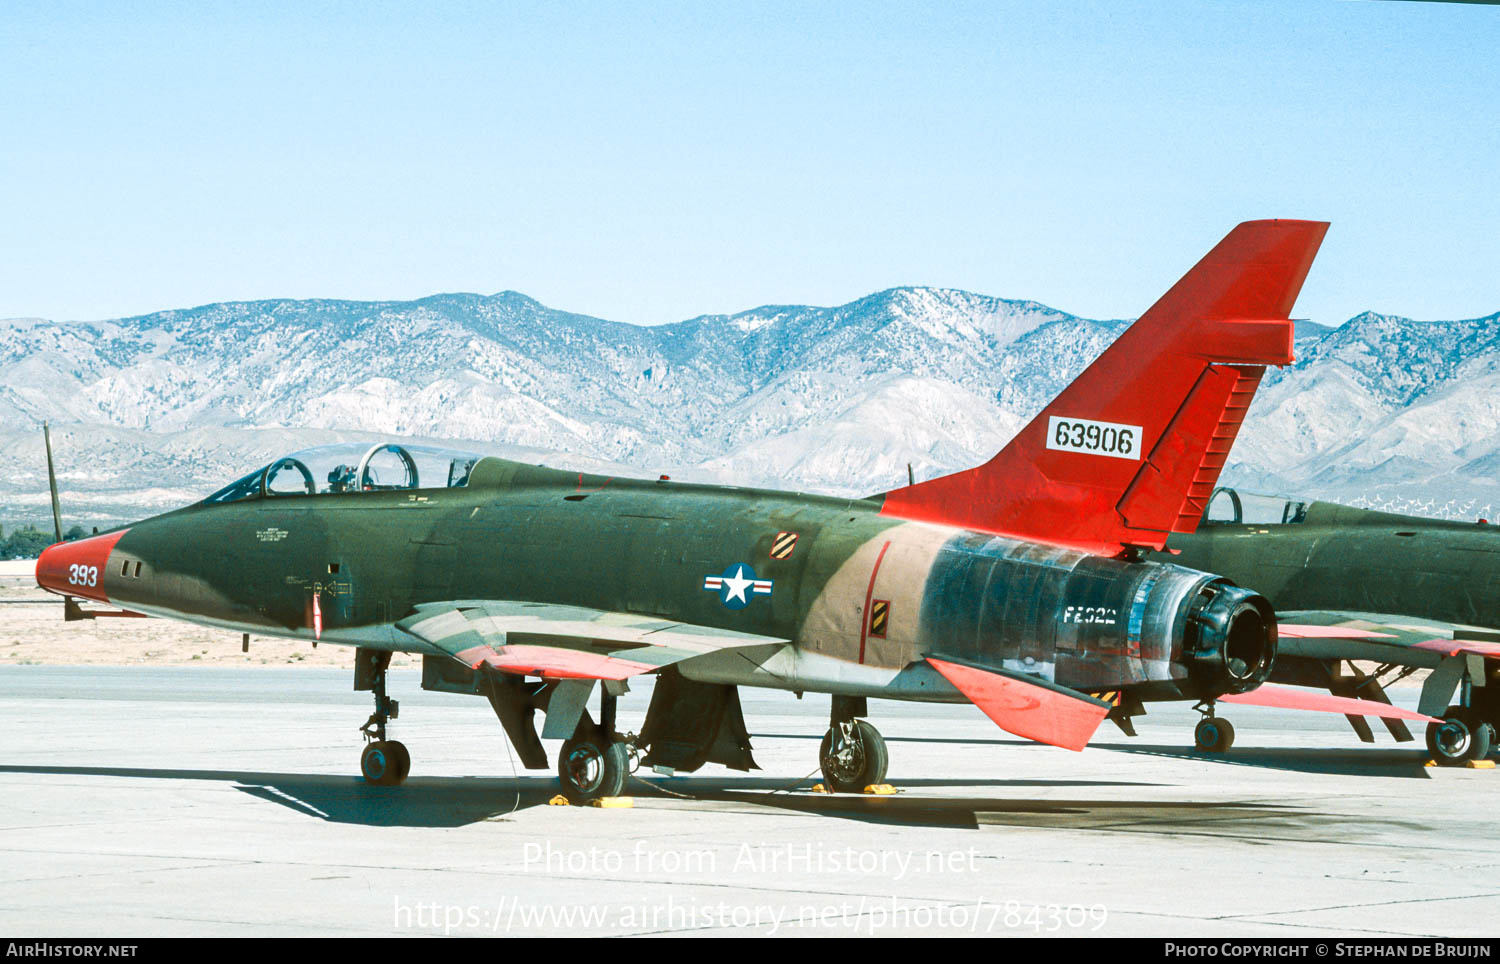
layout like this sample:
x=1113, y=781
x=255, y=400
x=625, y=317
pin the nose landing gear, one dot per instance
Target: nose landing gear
x=384, y=762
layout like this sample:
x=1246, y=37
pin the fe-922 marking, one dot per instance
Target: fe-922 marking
x=1094, y=438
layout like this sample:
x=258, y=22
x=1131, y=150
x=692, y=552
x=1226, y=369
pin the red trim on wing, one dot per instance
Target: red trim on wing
x=553, y=662
x=1299, y=631
x=1027, y=709
x=1296, y=698
x=1452, y=647
x=55, y=572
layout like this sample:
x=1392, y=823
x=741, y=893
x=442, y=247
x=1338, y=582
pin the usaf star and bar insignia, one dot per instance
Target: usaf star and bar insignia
x=737, y=585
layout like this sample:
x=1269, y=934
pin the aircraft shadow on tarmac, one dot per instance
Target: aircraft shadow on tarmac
x=1339, y=761
x=448, y=802
x=1354, y=761
x=459, y=801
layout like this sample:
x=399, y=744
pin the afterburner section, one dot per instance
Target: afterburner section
x=1230, y=639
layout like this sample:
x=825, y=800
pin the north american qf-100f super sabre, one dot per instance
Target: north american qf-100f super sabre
x=1018, y=585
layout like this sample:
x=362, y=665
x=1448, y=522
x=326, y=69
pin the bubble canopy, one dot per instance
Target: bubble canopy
x=1231, y=506
x=352, y=467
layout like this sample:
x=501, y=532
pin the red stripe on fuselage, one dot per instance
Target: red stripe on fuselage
x=864, y=614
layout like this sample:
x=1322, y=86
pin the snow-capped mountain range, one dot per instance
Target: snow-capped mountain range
x=158, y=410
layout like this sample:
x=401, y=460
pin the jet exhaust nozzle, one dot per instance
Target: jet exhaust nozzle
x=1230, y=645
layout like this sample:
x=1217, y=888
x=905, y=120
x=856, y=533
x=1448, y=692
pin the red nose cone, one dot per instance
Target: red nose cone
x=77, y=568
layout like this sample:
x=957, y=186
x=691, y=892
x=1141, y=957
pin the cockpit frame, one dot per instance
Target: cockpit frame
x=351, y=468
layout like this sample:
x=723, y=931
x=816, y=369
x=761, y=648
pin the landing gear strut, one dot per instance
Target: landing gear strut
x=853, y=754
x=594, y=762
x=383, y=762
x=1212, y=735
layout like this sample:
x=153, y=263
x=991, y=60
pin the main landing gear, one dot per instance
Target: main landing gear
x=852, y=755
x=1212, y=734
x=1461, y=736
x=594, y=762
x=384, y=762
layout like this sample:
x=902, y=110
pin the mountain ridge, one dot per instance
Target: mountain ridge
x=823, y=398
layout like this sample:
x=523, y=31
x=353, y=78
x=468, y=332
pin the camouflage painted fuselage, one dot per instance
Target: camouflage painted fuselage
x=861, y=597
x=1357, y=560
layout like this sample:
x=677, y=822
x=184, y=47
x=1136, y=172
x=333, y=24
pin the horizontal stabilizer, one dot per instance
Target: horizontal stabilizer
x=1295, y=698
x=1026, y=706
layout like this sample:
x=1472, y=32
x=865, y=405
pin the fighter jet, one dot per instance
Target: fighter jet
x=1019, y=585
x=1402, y=592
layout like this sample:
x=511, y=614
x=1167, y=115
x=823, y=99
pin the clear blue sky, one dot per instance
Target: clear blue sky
x=649, y=162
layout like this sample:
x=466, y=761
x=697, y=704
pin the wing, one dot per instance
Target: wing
x=1331, y=634
x=565, y=642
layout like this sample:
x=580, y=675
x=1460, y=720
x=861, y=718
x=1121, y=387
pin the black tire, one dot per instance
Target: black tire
x=398, y=750
x=858, y=765
x=379, y=765
x=1484, y=741
x=1452, y=742
x=592, y=766
x=1213, y=735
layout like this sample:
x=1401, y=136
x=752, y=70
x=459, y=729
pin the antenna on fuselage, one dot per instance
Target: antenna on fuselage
x=911, y=479
x=71, y=610
x=52, y=483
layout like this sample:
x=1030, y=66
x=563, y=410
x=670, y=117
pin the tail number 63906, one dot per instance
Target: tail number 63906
x=1094, y=438
x=83, y=575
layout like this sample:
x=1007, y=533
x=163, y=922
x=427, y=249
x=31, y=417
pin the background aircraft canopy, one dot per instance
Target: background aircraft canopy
x=352, y=467
x=1230, y=506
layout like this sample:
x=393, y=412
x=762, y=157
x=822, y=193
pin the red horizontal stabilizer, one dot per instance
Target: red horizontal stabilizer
x=1452, y=647
x=1033, y=709
x=1132, y=449
x=1296, y=698
x=1297, y=631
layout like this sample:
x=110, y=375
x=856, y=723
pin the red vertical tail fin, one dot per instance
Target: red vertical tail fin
x=1130, y=451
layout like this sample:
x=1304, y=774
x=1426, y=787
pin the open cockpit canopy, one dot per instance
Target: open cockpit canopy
x=352, y=467
x=1232, y=507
